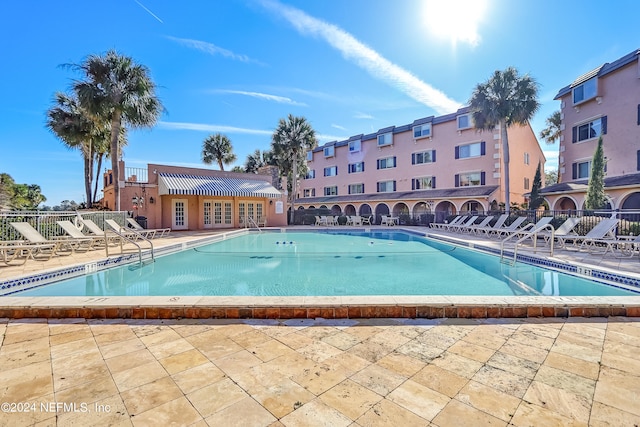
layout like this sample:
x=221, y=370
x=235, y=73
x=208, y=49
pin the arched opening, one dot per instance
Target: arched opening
x=312, y=207
x=336, y=210
x=443, y=210
x=349, y=210
x=632, y=201
x=381, y=209
x=301, y=208
x=472, y=207
x=365, y=210
x=422, y=213
x=607, y=205
x=323, y=207
x=401, y=211
x=565, y=204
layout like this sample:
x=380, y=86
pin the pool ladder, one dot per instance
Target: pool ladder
x=124, y=237
x=251, y=220
x=533, y=234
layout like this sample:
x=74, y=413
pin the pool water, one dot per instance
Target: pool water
x=329, y=263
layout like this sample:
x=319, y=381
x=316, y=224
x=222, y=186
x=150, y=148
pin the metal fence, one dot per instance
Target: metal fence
x=45, y=221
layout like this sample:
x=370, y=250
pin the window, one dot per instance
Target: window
x=356, y=167
x=464, y=121
x=331, y=171
x=354, y=146
x=422, y=130
x=423, y=157
x=309, y=192
x=310, y=174
x=585, y=91
x=424, y=183
x=386, y=186
x=469, y=179
x=329, y=151
x=309, y=155
x=331, y=191
x=385, y=139
x=470, y=150
x=581, y=169
x=526, y=183
x=356, y=188
x=592, y=129
x=387, y=163
x=526, y=158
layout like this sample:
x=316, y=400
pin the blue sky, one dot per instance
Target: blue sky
x=237, y=66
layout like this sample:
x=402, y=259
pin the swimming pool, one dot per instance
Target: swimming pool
x=328, y=264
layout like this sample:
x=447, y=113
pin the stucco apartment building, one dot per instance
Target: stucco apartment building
x=197, y=199
x=440, y=165
x=605, y=101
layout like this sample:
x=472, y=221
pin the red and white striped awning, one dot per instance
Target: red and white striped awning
x=198, y=185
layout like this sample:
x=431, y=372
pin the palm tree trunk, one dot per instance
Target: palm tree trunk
x=505, y=158
x=294, y=180
x=95, y=190
x=115, y=156
x=88, y=178
x=220, y=165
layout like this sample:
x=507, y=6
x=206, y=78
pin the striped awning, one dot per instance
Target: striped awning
x=198, y=185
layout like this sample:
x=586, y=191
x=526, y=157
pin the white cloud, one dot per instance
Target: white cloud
x=365, y=57
x=326, y=138
x=211, y=49
x=338, y=127
x=360, y=115
x=202, y=127
x=265, y=96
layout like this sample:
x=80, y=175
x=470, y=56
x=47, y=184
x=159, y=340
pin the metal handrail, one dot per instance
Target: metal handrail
x=533, y=234
x=124, y=236
x=250, y=219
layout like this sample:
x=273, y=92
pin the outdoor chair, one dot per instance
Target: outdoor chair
x=76, y=233
x=471, y=228
x=39, y=244
x=499, y=232
x=602, y=233
x=124, y=231
x=532, y=228
x=11, y=250
x=498, y=224
x=468, y=222
x=445, y=225
x=95, y=230
x=151, y=232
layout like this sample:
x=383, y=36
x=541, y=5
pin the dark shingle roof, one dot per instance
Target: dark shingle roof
x=445, y=193
x=582, y=184
x=600, y=71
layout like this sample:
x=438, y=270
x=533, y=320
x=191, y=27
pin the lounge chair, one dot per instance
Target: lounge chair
x=11, y=250
x=470, y=221
x=498, y=232
x=445, y=225
x=471, y=228
x=565, y=229
x=153, y=232
x=532, y=228
x=124, y=231
x=77, y=234
x=498, y=224
x=604, y=231
x=37, y=244
x=95, y=230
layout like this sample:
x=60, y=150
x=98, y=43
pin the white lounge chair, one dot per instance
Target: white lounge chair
x=124, y=231
x=532, y=228
x=499, y=232
x=38, y=243
x=565, y=229
x=94, y=229
x=468, y=222
x=152, y=232
x=77, y=234
x=604, y=231
x=471, y=228
x=498, y=224
x=446, y=225
x=11, y=250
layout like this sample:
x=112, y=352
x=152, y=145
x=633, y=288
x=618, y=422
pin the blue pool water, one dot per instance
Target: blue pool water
x=332, y=263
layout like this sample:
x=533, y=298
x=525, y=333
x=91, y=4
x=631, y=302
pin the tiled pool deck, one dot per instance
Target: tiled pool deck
x=365, y=371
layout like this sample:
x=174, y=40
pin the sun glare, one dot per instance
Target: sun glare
x=455, y=20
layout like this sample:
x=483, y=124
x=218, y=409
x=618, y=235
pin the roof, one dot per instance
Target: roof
x=449, y=193
x=583, y=184
x=201, y=185
x=600, y=72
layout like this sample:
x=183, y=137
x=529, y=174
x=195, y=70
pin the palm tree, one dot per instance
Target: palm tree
x=506, y=99
x=552, y=133
x=123, y=93
x=256, y=160
x=292, y=137
x=77, y=129
x=217, y=148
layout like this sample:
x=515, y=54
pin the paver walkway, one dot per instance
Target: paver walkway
x=382, y=372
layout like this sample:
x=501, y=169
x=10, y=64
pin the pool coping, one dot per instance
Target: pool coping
x=329, y=307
